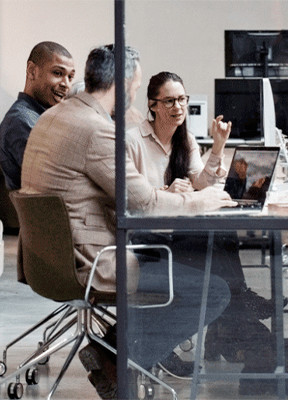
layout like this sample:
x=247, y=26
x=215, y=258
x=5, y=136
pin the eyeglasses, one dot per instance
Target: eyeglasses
x=169, y=103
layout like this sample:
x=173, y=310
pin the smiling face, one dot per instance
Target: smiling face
x=174, y=116
x=51, y=80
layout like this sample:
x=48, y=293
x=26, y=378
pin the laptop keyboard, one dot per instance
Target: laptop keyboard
x=244, y=204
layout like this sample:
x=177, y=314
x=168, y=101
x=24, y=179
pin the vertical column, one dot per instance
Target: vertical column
x=120, y=199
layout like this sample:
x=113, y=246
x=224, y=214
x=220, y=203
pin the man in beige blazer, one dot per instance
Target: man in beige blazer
x=71, y=151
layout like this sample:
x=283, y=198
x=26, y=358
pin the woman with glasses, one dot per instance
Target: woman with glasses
x=167, y=154
x=164, y=150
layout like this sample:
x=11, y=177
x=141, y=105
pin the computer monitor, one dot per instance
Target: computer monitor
x=251, y=53
x=239, y=101
x=273, y=136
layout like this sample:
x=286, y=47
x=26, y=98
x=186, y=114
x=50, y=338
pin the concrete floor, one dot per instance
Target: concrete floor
x=21, y=308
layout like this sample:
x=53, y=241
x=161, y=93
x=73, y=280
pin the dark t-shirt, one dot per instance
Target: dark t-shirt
x=14, y=132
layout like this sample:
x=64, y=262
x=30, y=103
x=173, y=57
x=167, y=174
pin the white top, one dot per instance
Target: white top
x=151, y=159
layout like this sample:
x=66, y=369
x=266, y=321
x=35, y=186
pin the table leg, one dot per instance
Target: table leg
x=277, y=296
x=208, y=262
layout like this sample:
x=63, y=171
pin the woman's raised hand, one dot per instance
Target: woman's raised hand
x=220, y=133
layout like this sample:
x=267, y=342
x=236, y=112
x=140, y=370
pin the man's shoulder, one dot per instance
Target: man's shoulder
x=25, y=102
x=23, y=112
x=79, y=108
x=75, y=117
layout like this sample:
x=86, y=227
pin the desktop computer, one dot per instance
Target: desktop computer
x=241, y=101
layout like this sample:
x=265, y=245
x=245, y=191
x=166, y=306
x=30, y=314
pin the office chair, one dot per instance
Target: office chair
x=55, y=318
x=3, y=364
x=50, y=269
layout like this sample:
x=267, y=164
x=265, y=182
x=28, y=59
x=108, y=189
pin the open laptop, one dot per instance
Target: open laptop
x=249, y=178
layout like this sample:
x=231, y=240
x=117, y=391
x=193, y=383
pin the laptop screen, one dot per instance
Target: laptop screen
x=251, y=173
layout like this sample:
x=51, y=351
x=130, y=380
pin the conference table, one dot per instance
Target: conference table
x=274, y=221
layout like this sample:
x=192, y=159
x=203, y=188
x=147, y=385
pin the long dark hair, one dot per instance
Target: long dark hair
x=180, y=154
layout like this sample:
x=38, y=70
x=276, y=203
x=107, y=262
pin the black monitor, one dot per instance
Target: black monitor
x=241, y=102
x=253, y=53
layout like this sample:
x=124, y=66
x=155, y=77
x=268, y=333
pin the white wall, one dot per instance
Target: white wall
x=187, y=37
x=183, y=36
x=79, y=25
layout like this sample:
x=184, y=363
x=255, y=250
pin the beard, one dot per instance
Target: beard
x=127, y=99
x=127, y=103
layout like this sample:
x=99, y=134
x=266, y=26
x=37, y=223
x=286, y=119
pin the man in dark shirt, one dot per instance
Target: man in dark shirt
x=237, y=180
x=49, y=75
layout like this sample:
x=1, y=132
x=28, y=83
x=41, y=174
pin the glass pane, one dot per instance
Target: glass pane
x=247, y=256
x=240, y=329
x=166, y=33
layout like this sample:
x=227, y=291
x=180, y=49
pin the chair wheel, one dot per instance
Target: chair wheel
x=187, y=345
x=45, y=360
x=15, y=390
x=146, y=391
x=3, y=368
x=32, y=376
x=157, y=371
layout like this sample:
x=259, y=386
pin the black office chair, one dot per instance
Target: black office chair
x=50, y=269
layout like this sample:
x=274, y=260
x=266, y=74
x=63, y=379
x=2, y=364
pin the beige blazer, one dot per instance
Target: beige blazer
x=71, y=151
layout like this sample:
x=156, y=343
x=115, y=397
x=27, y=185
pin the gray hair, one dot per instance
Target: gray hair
x=100, y=67
x=77, y=87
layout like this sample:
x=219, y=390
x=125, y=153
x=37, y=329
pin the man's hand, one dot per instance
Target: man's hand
x=259, y=183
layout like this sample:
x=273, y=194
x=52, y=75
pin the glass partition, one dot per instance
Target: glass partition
x=206, y=317
x=234, y=336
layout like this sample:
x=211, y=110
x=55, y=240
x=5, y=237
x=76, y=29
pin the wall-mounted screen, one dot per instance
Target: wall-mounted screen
x=253, y=53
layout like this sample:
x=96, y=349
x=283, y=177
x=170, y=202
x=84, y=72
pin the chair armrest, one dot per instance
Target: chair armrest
x=138, y=247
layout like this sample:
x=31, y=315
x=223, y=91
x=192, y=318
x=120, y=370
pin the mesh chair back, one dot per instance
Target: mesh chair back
x=47, y=247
